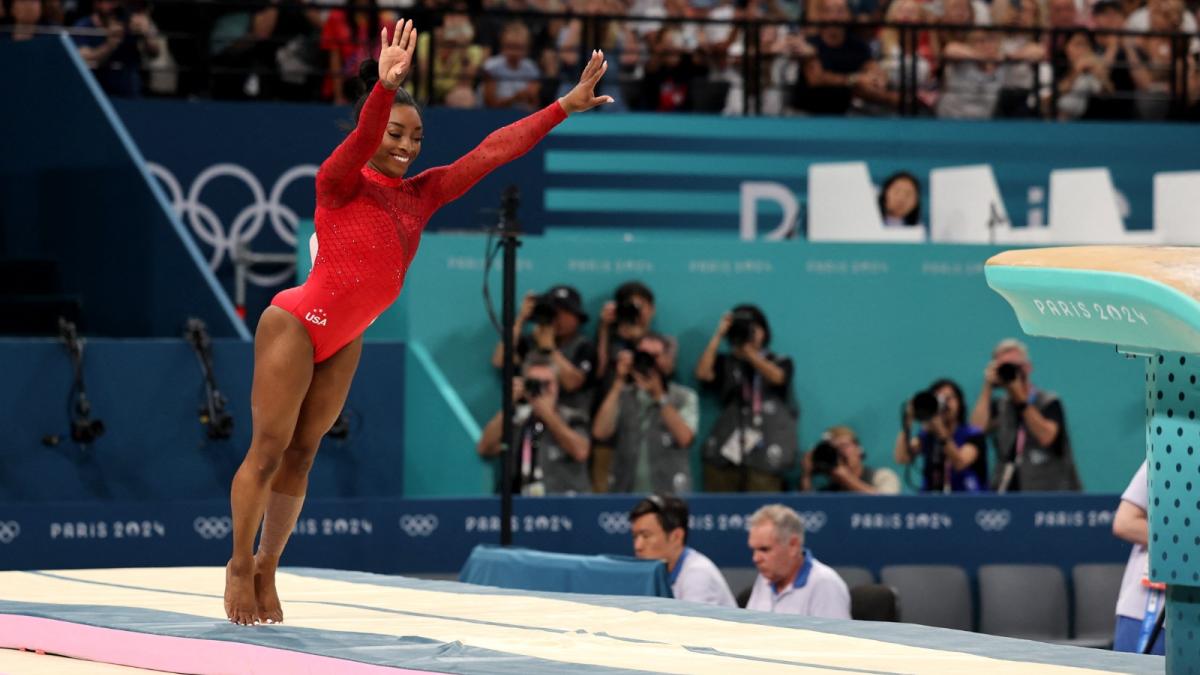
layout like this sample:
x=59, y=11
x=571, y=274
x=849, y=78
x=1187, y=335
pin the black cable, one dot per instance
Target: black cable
x=490, y=251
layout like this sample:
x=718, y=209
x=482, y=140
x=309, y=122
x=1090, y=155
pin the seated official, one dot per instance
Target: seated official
x=659, y=525
x=790, y=580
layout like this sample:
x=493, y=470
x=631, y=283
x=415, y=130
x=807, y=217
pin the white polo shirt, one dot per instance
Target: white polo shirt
x=697, y=579
x=1132, y=600
x=817, y=591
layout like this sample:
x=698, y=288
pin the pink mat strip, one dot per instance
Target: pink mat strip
x=165, y=652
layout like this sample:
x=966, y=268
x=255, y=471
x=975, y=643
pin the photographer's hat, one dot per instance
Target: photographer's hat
x=567, y=298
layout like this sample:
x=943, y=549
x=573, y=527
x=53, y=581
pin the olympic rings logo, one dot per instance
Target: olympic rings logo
x=216, y=527
x=419, y=525
x=813, y=520
x=209, y=228
x=9, y=530
x=613, y=522
x=992, y=520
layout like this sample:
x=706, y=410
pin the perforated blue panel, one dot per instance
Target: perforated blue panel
x=1173, y=436
x=1172, y=441
x=1183, y=627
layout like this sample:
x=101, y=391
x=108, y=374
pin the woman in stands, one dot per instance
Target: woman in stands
x=369, y=219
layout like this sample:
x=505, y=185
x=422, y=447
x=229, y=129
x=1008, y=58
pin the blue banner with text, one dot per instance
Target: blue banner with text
x=437, y=535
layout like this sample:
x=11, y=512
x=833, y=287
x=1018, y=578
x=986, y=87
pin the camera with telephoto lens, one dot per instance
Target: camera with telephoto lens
x=741, y=327
x=543, y=313
x=535, y=387
x=644, y=363
x=1007, y=373
x=825, y=457
x=926, y=405
x=628, y=313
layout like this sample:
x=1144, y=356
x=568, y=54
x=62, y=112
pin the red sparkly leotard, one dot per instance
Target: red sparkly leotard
x=369, y=225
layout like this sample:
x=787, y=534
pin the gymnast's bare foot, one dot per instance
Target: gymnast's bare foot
x=240, y=606
x=269, y=608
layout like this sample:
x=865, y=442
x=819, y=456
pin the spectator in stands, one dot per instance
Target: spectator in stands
x=1142, y=18
x=790, y=580
x=1085, y=77
x=958, y=16
x=650, y=422
x=550, y=446
x=670, y=72
x=1027, y=425
x=659, y=525
x=953, y=453
x=901, y=12
x=350, y=36
x=1150, y=58
x=1022, y=53
x=26, y=17
x=457, y=61
x=841, y=70
x=839, y=461
x=268, y=53
x=556, y=317
x=1063, y=14
x=1131, y=524
x=900, y=199
x=753, y=444
x=511, y=79
x=1117, y=104
x=972, y=78
x=116, y=57
x=617, y=39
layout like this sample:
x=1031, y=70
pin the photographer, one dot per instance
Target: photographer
x=116, y=57
x=952, y=451
x=754, y=443
x=649, y=421
x=623, y=321
x=1027, y=426
x=556, y=316
x=550, y=446
x=838, y=460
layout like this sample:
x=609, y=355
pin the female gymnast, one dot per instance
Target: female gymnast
x=369, y=219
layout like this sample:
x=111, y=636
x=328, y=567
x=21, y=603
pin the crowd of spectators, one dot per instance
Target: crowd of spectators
x=612, y=414
x=1009, y=58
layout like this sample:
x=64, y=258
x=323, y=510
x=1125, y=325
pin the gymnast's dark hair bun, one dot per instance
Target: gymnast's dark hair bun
x=368, y=73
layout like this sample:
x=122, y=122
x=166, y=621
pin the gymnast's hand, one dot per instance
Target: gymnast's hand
x=396, y=54
x=583, y=96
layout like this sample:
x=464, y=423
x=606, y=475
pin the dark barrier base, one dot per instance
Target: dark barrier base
x=436, y=535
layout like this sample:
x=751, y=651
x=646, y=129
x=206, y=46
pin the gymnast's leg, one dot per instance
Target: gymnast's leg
x=283, y=369
x=322, y=405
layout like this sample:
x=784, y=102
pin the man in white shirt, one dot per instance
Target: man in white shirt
x=659, y=526
x=1136, y=609
x=790, y=580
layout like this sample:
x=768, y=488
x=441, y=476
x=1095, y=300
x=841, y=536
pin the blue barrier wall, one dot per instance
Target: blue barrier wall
x=243, y=171
x=148, y=393
x=436, y=535
x=73, y=189
x=867, y=326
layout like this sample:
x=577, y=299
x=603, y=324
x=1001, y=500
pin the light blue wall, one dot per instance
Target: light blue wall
x=867, y=326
